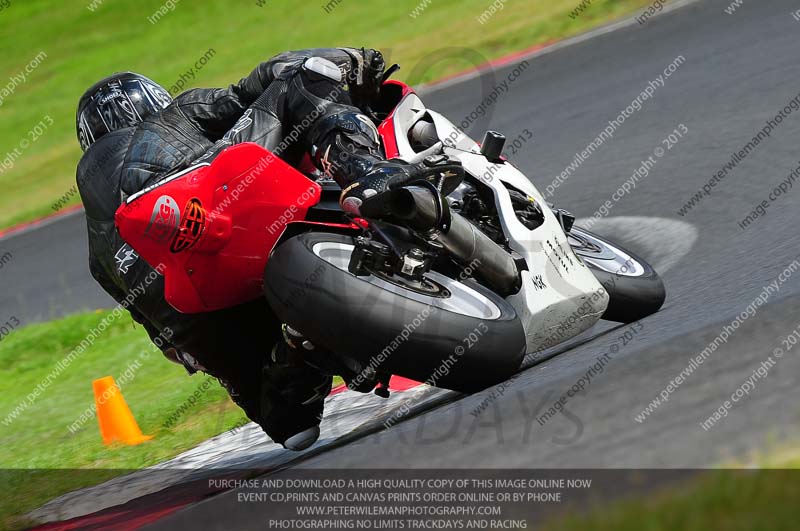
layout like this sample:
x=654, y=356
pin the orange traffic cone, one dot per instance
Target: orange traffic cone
x=114, y=415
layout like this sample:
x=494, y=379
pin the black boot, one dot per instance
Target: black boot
x=343, y=141
x=292, y=398
x=345, y=147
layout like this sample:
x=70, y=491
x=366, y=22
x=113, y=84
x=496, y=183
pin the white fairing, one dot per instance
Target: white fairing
x=560, y=297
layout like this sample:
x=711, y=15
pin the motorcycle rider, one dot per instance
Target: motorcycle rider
x=135, y=135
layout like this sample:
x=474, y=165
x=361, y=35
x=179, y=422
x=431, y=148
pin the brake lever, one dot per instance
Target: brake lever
x=389, y=72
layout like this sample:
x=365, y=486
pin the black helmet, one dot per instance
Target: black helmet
x=118, y=101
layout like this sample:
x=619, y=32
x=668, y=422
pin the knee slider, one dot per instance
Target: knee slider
x=318, y=68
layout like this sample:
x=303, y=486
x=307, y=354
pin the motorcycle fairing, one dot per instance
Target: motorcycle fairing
x=212, y=227
x=560, y=297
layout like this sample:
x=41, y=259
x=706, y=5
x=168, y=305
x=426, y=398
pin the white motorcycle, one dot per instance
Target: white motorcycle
x=461, y=274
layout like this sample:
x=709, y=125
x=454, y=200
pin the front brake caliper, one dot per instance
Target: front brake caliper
x=369, y=256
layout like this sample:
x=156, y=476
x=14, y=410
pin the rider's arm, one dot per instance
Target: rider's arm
x=361, y=66
x=215, y=111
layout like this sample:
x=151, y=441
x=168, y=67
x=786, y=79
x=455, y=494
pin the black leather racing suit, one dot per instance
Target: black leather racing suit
x=233, y=344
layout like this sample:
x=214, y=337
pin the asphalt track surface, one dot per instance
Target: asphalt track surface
x=740, y=70
x=47, y=275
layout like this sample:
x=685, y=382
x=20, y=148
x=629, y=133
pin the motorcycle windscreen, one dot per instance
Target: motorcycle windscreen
x=211, y=228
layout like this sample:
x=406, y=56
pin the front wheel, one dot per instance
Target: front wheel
x=635, y=289
x=444, y=331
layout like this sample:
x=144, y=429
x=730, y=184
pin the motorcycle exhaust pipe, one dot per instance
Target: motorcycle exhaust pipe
x=417, y=207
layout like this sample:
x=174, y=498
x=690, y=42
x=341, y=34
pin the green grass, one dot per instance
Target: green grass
x=40, y=440
x=83, y=46
x=721, y=500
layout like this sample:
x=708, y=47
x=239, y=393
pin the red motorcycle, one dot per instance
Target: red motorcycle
x=464, y=272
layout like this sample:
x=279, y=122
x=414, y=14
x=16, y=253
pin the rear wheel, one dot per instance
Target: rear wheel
x=447, y=332
x=634, y=288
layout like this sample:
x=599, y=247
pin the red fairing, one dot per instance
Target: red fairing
x=212, y=229
x=386, y=129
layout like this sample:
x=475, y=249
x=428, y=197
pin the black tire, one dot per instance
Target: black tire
x=389, y=330
x=635, y=289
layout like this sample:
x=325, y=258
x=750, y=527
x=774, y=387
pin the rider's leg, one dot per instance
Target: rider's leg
x=292, y=398
x=272, y=384
x=308, y=109
x=306, y=105
x=343, y=142
x=244, y=348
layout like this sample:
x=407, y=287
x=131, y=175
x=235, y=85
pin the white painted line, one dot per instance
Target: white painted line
x=39, y=225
